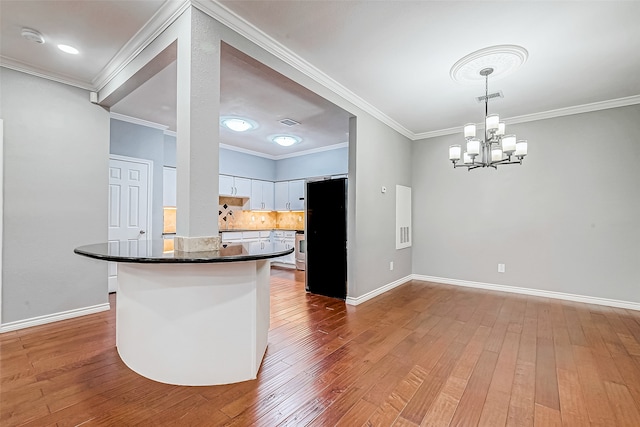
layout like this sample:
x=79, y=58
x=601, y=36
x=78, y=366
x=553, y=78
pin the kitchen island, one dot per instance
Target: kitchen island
x=190, y=318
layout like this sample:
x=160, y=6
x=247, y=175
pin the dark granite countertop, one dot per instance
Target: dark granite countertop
x=152, y=252
x=231, y=230
x=264, y=229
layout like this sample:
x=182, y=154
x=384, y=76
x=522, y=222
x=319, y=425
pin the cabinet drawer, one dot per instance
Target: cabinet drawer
x=231, y=236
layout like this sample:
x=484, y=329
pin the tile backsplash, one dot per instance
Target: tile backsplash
x=232, y=217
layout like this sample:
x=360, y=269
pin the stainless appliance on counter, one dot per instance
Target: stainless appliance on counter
x=300, y=250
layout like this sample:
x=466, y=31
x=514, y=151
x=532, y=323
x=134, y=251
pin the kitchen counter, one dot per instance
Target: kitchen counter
x=263, y=229
x=191, y=318
x=229, y=230
x=148, y=252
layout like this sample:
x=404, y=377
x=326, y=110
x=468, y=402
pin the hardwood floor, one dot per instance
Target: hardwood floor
x=422, y=354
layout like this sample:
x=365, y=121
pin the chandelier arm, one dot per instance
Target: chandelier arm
x=514, y=162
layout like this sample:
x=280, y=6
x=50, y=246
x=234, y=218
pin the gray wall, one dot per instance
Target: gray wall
x=332, y=162
x=382, y=158
x=56, y=148
x=231, y=162
x=324, y=163
x=566, y=220
x=169, y=150
x=142, y=142
x=246, y=165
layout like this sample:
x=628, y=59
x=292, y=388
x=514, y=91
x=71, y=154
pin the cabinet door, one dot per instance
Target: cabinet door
x=296, y=195
x=242, y=186
x=268, y=197
x=225, y=185
x=169, y=186
x=256, y=194
x=281, y=196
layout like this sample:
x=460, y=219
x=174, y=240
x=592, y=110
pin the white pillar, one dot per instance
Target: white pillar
x=198, y=106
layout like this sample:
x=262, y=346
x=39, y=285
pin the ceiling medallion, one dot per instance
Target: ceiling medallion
x=503, y=59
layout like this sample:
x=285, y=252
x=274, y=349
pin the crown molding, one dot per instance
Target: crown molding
x=23, y=67
x=246, y=151
x=172, y=133
x=559, y=112
x=165, y=16
x=140, y=122
x=260, y=38
x=284, y=156
x=436, y=133
x=313, y=151
x=578, y=109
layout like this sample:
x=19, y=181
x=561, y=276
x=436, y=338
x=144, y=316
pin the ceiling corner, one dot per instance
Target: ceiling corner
x=164, y=17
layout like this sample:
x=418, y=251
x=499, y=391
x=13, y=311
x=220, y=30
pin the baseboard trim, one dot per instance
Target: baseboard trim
x=55, y=317
x=529, y=291
x=381, y=290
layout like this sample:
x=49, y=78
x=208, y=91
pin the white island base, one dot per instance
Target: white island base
x=193, y=324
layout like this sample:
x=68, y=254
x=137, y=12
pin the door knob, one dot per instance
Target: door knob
x=142, y=232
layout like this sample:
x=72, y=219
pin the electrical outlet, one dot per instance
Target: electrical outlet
x=501, y=268
x=391, y=265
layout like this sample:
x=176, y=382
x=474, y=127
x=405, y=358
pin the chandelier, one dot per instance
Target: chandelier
x=495, y=149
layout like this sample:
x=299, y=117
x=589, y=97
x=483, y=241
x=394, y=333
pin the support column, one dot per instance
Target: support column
x=198, y=110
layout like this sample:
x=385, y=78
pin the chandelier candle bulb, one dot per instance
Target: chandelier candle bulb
x=496, y=154
x=493, y=123
x=509, y=144
x=470, y=130
x=454, y=152
x=501, y=128
x=521, y=148
x=473, y=147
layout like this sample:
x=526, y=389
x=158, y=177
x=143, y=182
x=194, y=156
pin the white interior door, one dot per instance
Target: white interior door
x=129, y=210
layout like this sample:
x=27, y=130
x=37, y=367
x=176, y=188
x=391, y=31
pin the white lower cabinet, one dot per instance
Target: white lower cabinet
x=259, y=236
x=258, y=239
x=285, y=240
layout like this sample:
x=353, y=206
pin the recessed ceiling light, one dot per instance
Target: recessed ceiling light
x=32, y=35
x=68, y=49
x=238, y=124
x=286, y=140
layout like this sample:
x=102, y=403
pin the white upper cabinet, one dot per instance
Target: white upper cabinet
x=234, y=186
x=296, y=195
x=289, y=195
x=282, y=196
x=169, y=183
x=262, y=195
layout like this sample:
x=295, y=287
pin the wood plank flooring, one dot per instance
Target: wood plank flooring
x=422, y=354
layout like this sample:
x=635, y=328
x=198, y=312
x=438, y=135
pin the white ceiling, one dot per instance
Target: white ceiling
x=391, y=58
x=251, y=90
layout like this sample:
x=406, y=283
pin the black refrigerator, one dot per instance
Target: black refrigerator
x=326, y=237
